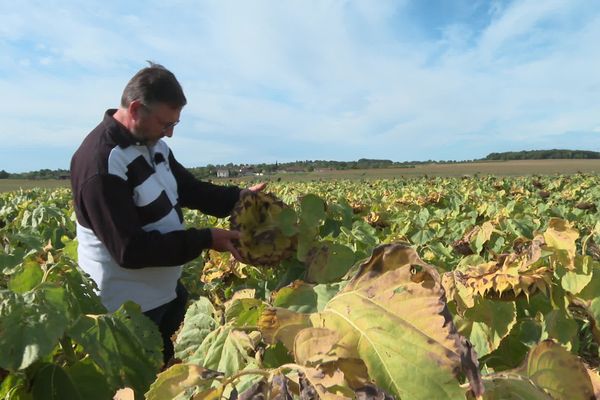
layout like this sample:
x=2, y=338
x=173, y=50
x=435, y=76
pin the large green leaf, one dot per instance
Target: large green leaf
x=227, y=350
x=328, y=262
x=560, y=326
x=305, y=297
x=89, y=379
x=29, y=276
x=245, y=312
x=197, y=324
x=312, y=210
x=514, y=348
x=488, y=323
x=287, y=221
x=224, y=349
x=221, y=348
x=312, y=213
x=80, y=288
x=54, y=383
x=125, y=345
x=30, y=325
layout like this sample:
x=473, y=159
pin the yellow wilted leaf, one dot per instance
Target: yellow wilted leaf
x=393, y=313
x=559, y=372
x=328, y=384
x=280, y=324
x=562, y=236
x=175, y=380
x=314, y=346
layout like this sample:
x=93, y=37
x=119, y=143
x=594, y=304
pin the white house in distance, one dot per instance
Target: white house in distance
x=222, y=173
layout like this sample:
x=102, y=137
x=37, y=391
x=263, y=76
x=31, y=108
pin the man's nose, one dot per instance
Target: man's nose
x=169, y=132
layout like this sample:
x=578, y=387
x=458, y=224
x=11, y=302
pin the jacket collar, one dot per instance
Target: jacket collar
x=118, y=132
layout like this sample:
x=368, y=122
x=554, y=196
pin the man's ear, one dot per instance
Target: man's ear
x=134, y=109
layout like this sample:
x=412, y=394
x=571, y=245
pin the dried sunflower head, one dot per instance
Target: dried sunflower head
x=262, y=242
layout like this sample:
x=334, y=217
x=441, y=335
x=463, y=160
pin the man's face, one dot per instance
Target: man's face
x=155, y=122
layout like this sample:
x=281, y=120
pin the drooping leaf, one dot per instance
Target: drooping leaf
x=181, y=378
x=276, y=388
x=575, y=280
x=316, y=383
x=79, y=290
x=298, y=296
x=314, y=346
x=225, y=350
x=562, y=236
x=483, y=236
x=392, y=315
x=197, y=324
x=125, y=345
x=422, y=236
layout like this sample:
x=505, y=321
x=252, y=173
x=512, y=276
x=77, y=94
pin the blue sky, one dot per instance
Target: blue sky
x=287, y=80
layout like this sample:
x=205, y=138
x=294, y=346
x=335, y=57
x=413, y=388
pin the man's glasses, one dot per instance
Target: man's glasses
x=168, y=126
x=165, y=125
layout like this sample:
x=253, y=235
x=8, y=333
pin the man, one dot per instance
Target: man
x=128, y=191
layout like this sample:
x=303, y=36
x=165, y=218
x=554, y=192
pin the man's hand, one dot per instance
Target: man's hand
x=255, y=188
x=221, y=241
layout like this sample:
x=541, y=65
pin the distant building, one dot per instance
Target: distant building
x=293, y=169
x=222, y=173
x=247, y=170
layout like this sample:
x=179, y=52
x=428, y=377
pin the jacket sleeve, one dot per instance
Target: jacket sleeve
x=211, y=199
x=106, y=203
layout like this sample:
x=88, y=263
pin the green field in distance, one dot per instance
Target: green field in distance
x=499, y=168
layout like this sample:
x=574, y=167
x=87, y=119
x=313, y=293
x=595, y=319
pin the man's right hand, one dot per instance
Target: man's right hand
x=222, y=241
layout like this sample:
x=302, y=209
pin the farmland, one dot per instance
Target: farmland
x=432, y=287
x=497, y=168
x=9, y=185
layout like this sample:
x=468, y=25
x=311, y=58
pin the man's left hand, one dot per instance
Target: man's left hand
x=256, y=188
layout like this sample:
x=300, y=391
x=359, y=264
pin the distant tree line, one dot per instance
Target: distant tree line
x=544, y=155
x=297, y=166
x=234, y=170
x=40, y=174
